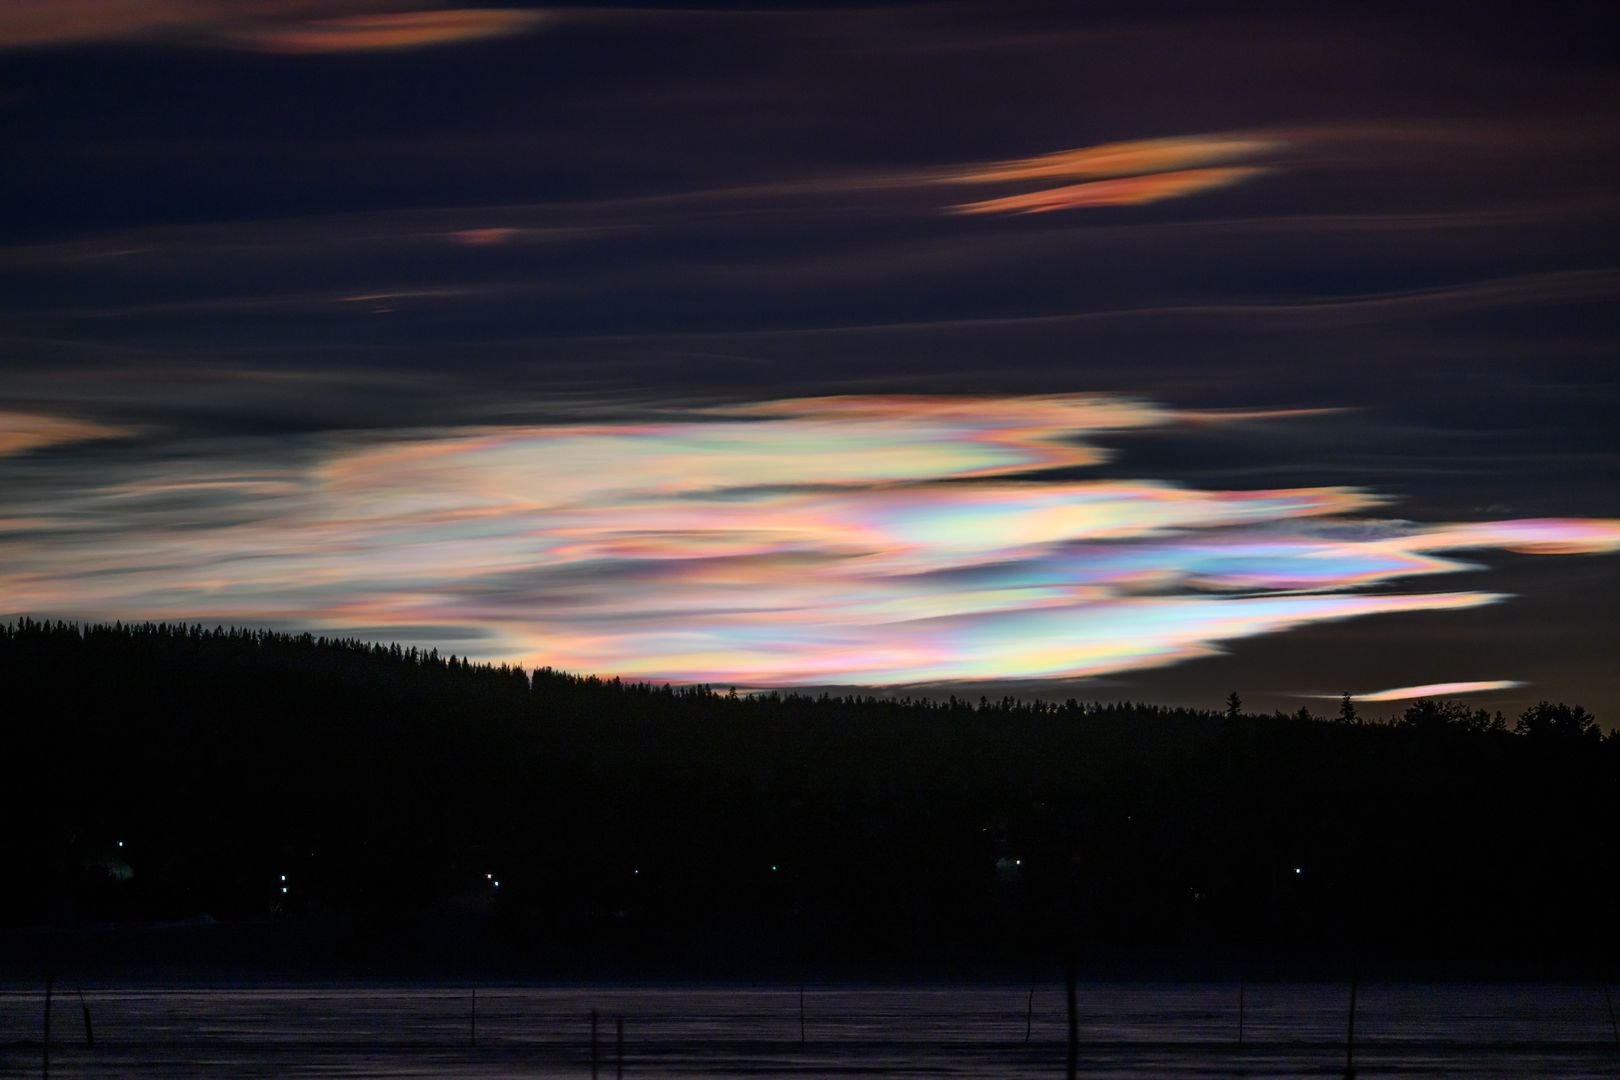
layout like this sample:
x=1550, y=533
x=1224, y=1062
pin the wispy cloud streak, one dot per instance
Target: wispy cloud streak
x=1433, y=690
x=1139, y=156
x=20, y=431
x=284, y=26
x=1120, y=174
x=394, y=30
x=1121, y=191
x=870, y=540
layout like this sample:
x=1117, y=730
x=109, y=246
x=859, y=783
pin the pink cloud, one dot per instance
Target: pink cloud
x=392, y=30
x=286, y=26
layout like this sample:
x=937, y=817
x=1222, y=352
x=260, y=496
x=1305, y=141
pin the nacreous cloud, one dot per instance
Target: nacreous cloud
x=1435, y=690
x=1121, y=191
x=394, y=30
x=1137, y=157
x=30, y=431
x=1119, y=174
x=289, y=26
x=864, y=540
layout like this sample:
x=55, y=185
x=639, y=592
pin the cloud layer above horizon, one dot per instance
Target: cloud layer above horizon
x=886, y=540
x=316, y=306
x=274, y=26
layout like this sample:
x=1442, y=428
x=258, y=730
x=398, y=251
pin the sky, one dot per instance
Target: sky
x=1142, y=351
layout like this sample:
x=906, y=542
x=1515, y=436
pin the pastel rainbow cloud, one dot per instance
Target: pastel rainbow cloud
x=1438, y=690
x=819, y=541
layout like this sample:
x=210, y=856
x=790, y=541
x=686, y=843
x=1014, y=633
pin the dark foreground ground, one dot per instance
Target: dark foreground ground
x=1126, y=1030
x=164, y=772
x=393, y=829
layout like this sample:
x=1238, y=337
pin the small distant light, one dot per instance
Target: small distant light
x=1018, y=862
x=489, y=877
x=283, y=877
x=773, y=868
x=120, y=843
x=497, y=884
x=284, y=888
x=1298, y=870
x=637, y=873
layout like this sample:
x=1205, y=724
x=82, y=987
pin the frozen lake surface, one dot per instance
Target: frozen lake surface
x=1129, y=1030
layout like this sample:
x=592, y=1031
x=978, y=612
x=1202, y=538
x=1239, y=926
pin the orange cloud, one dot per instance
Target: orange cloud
x=47, y=22
x=283, y=26
x=1121, y=191
x=397, y=30
x=1132, y=173
x=1122, y=159
x=28, y=431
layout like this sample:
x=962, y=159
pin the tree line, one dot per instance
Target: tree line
x=163, y=771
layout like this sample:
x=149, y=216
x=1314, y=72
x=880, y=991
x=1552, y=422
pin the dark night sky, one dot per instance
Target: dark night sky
x=369, y=316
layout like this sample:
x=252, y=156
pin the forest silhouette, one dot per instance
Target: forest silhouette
x=160, y=772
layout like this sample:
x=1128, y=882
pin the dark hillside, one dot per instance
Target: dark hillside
x=159, y=772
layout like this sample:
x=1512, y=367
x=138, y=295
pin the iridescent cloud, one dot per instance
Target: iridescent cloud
x=866, y=540
x=50, y=22
x=1121, y=191
x=1438, y=690
x=290, y=26
x=392, y=30
x=1119, y=174
x=1135, y=157
x=21, y=431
